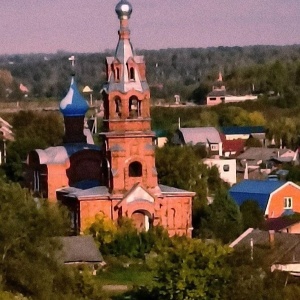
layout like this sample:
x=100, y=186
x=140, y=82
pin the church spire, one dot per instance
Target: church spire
x=124, y=68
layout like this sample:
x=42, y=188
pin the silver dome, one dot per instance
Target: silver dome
x=123, y=9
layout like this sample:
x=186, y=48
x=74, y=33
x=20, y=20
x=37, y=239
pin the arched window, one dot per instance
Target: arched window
x=131, y=74
x=117, y=74
x=135, y=169
x=173, y=215
x=135, y=107
x=118, y=106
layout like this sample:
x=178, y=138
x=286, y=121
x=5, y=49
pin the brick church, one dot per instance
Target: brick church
x=119, y=178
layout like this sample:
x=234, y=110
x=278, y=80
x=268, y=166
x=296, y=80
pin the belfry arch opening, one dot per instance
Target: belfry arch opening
x=116, y=73
x=135, y=107
x=135, y=169
x=118, y=107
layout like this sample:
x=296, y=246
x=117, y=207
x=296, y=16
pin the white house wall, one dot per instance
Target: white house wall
x=222, y=164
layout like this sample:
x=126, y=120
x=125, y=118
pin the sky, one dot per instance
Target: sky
x=47, y=26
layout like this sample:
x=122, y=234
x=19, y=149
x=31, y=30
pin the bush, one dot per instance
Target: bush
x=124, y=239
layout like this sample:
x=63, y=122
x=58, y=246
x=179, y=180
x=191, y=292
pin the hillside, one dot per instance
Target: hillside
x=169, y=71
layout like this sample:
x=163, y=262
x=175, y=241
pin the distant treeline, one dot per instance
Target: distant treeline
x=188, y=72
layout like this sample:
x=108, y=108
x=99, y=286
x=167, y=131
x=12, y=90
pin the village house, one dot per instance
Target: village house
x=275, y=198
x=283, y=224
x=260, y=160
x=281, y=250
x=244, y=133
x=119, y=178
x=219, y=94
x=232, y=148
x=80, y=251
x=200, y=136
x=226, y=167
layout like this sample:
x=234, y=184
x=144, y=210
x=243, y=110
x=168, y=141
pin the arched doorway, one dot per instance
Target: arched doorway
x=142, y=220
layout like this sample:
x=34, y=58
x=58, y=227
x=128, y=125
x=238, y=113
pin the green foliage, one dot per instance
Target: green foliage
x=221, y=219
x=253, y=142
x=237, y=116
x=190, y=269
x=200, y=93
x=252, y=215
x=11, y=296
x=169, y=71
x=180, y=167
x=123, y=239
x=293, y=174
x=102, y=229
x=125, y=271
x=32, y=131
x=284, y=131
x=27, y=231
x=252, y=279
x=29, y=249
x=85, y=286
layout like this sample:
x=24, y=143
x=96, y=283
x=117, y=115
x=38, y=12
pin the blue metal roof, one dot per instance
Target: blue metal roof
x=87, y=184
x=243, y=129
x=74, y=104
x=257, y=190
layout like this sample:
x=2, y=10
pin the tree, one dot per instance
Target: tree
x=180, y=167
x=190, y=269
x=253, y=142
x=252, y=215
x=221, y=219
x=123, y=239
x=32, y=131
x=28, y=248
x=283, y=131
x=200, y=93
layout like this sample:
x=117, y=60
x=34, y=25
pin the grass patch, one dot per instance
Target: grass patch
x=120, y=272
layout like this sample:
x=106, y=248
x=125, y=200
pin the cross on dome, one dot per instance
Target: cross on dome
x=72, y=59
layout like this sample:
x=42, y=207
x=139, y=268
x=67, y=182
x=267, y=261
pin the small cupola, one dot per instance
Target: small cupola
x=74, y=107
x=74, y=104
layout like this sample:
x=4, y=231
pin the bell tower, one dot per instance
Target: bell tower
x=127, y=138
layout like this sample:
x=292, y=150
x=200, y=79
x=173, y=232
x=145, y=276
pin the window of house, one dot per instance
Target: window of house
x=213, y=98
x=226, y=168
x=135, y=169
x=288, y=202
x=214, y=147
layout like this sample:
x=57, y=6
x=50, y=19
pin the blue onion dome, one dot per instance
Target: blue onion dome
x=74, y=104
x=124, y=9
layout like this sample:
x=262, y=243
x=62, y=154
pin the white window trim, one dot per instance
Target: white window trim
x=288, y=202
